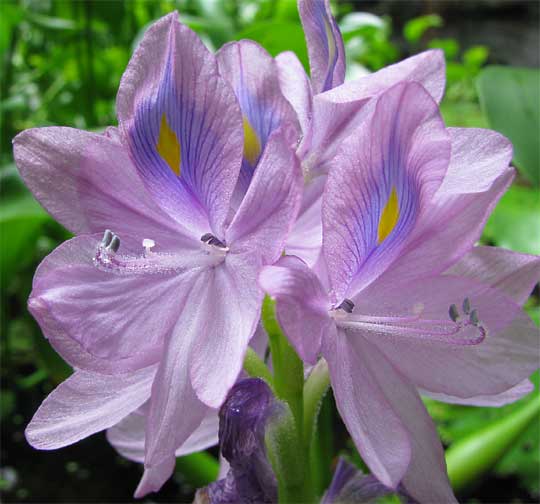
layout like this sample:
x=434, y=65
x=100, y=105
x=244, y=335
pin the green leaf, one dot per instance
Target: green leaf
x=415, y=28
x=199, y=469
x=514, y=223
x=511, y=101
x=471, y=457
x=463, y=114
x=21, y=218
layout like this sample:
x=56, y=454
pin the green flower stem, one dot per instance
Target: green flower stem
x=286, y=453
x=468, y=459
x=288, y=368
x=314, y=390
x=290, y=454
x=199, y=469
x=255, y=367
x=322, y=448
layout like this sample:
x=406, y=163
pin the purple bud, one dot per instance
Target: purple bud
x=242, y=424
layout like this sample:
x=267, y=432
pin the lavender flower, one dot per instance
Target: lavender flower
x=155, y=300
x=404, y=203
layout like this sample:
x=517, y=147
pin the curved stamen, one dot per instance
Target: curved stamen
x=434, y=330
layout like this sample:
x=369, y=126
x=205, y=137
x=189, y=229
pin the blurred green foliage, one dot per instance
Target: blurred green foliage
x=61, y=62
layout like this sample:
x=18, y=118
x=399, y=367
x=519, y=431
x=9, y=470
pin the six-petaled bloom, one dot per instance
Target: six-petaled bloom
x=400, y=300
x=155, y=300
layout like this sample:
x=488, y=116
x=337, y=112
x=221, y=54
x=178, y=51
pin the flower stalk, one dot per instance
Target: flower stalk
x=289, y=448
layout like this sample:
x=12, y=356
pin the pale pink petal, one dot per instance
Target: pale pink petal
x=154, y=477
x=305, y=238
x=175, y=411
x=87, y=403
x=331, y=123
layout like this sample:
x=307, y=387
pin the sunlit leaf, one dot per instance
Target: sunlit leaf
x=510, y=98
x=20, y=219
x=514, y=223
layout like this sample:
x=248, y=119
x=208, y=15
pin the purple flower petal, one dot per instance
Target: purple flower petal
x=324, y=43
x=305, y=238
x=396, y=161
x=175, y=411
x=154, y=477
x=253, y=75
x=88, y=183
x=496, y=400
x=227, y=314
x=87, y=403
x=478, y=175
x=510, y=272
x=271, y=204
x=442, y=356
x=342, y=475
x=426, y=68
x=295, y=86
x=302, y=304
x=352, y=486
x=119, y=319
x=331, y=123
x=387, y=420
x=182, y=123
x=127, y=436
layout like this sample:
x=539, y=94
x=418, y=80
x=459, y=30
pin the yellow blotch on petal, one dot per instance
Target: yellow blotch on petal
x=252, y=146
x=168, y=146
x=389, y=217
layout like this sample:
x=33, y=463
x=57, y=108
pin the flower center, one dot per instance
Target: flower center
x=108, y=259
